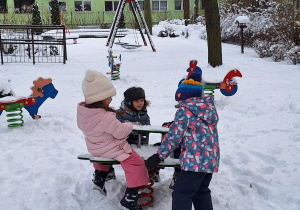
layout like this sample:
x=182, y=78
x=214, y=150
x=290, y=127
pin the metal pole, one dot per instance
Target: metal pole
x=114, y=26
x=28, y=44
x=242, y=38
x=33, y=57
x=137, y=22
x=145, y=25
x=1, y=48
x=64, y=44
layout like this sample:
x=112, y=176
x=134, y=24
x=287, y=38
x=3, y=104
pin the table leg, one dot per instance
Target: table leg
x=147, y=138
x=139, y=143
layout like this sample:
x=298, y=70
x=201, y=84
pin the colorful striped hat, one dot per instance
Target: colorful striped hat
x=191, y=87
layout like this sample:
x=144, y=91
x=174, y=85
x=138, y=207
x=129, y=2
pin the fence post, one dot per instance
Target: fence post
x=64, y=44
x=33, y=57
x=1, y=48
x=28, y=44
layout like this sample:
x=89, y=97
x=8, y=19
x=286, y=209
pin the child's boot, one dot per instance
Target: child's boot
x=99, y=181
x=129, y=201
x=111, y=174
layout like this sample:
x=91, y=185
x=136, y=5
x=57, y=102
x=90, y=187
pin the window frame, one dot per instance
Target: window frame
x=159, y=5
x=142, y=4
x=4, y=9
x=59, y=4
x=114, y=6
x=181, y=5
x=24, y=8
x=82, y=7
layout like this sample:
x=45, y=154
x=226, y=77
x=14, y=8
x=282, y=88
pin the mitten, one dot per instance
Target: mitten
x=167, y=124
x=152, y=161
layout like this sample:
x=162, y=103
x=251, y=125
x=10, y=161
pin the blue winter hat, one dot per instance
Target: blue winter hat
x=191, y=87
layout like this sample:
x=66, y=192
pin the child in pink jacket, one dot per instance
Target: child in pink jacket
x=106, y=136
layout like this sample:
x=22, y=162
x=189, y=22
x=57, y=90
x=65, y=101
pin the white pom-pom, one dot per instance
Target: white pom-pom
x=89, y=76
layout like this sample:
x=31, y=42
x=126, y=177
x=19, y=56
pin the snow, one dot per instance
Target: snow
x=242, y=19
x=259, y=127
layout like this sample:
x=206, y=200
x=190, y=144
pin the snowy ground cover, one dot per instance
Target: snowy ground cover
x=259, y=127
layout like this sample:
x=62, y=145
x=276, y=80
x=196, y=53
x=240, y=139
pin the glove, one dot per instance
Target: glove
x=152, y=161
x=167, y=124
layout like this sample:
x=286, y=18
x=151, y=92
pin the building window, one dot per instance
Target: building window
x=178, y=5
x=62, y=6
x=159, y=5
x=83, y=6
x=3, y=6
x=23, y=6
x=141, y=3
x=111, y=6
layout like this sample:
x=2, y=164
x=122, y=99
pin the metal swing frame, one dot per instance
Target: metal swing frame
x=114, y=26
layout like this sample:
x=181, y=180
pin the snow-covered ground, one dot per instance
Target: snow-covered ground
x=259, y=127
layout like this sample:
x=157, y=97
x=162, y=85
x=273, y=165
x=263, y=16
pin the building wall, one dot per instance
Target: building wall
x=97, y=16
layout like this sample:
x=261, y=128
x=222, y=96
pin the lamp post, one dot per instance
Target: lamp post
x=241, y=22
x=242, y=26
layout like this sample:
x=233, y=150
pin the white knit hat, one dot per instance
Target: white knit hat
x=96, y=87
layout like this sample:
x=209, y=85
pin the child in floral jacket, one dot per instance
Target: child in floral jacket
x=194, y=130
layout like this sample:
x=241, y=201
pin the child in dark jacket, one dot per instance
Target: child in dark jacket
x=134, y=109
x=195, y=130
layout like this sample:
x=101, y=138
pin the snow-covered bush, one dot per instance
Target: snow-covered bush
x=293, y=55
x=273, y=29
x=5, y=88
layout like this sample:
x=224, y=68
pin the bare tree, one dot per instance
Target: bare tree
x=214, y=46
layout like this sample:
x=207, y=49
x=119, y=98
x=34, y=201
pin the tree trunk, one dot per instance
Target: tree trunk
x=148, y=16
x=196, y=10
x=214, y=46
x=186, y=9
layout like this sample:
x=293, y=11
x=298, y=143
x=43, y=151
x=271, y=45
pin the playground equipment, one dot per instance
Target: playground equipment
x=63, y=24
x=228, y=86
x=42, y=89
x=114, y=66
x=134, y=6
x=146, y=198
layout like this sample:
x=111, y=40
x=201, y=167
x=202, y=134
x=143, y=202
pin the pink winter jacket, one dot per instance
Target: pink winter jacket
x=105, y=135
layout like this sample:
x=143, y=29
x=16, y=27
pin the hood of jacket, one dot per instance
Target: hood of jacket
x=133, y=112
x=204, y=108
x=87, y=118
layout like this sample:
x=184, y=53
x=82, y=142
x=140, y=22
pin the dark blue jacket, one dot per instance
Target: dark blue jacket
x=135, y=117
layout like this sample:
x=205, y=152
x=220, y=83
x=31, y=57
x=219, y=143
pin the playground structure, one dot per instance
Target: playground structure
x=42, y=89
x=134, y=6
x=114, y=66
x=228, y=86
x=63, y=24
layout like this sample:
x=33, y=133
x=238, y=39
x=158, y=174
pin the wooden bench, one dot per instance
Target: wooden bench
x=169, y=162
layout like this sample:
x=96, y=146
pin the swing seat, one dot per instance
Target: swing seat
x=128, y=46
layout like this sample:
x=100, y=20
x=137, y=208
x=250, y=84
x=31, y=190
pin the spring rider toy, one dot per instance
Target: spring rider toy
x=42, y=89
x=114, y=66
x=228, y=86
